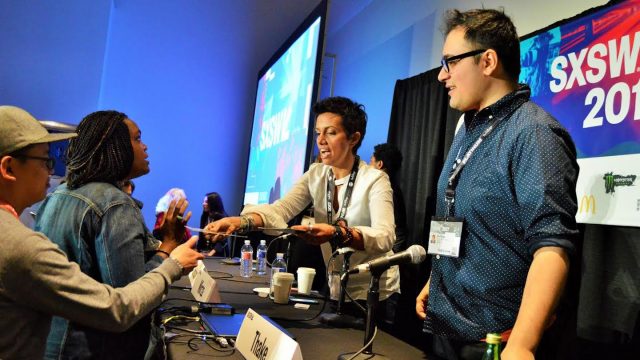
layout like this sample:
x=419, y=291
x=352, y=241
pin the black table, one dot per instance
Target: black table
x=316, y=340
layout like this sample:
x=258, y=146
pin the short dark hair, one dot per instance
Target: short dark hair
x=390, y=156
x=354, y=118
x=489, y=29
x=101, y=152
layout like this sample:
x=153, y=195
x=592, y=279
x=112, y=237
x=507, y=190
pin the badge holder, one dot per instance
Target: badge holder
x=445, y=234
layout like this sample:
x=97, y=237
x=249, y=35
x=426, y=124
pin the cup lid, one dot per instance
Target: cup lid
x=306, y=270
x=283, y=276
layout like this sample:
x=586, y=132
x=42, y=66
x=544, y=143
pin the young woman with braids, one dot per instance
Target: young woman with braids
x=101, y=228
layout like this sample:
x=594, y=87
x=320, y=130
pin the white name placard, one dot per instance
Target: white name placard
x=203, y=287
x=259, y=339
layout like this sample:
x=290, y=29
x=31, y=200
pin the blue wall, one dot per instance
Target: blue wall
x=370, y=80
x=185, y=84
x=377, y=42
x=185, y=71
x=51, y=56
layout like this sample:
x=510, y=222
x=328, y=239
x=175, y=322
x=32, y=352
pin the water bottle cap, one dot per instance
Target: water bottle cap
x=263, y=242
x=247, y=242
x=279, y=255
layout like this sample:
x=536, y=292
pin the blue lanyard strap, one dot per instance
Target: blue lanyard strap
x=501, y=110
x=459, y=164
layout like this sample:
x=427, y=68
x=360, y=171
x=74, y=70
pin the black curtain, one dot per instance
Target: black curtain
x=608, y=311
x=422, y=126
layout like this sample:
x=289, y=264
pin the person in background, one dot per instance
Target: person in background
x=508, y=186
x=388, y=158
x=161, y=210
x=102, y=229
x=359, y=212
x=212, y=210
x=36, y=278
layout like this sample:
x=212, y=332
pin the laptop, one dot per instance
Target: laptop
x=222, y=325
x=229, y=325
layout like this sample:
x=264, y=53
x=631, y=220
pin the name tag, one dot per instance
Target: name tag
x=203, y=287
x=445, y=237
x=260, y=339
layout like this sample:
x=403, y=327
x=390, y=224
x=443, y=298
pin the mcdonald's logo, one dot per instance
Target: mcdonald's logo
x=588, y=202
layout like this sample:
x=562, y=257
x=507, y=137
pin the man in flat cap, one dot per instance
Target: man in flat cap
x=36, y=278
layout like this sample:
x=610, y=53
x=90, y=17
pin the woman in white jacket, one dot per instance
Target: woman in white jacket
x=353, y=202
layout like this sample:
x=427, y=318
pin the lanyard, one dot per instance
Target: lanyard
x=450, y=192
x=514, y=102
x=347, y=194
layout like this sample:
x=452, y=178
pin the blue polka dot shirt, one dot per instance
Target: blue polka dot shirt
x=516, y=194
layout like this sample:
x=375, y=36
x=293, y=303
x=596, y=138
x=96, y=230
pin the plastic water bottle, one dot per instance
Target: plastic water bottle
x=261, y=256
x=246, y=259
x=277, y=266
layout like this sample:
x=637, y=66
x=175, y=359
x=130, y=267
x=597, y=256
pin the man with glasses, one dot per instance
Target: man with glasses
x=36, y=278
x=50, y=163
x=505, y=225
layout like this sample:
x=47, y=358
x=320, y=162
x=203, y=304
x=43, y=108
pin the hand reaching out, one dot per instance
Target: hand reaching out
x=186, y=255
x=172, y=224
x=226, y=226
x=315, y=234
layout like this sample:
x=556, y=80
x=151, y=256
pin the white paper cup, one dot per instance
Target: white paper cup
x=282, y=287
x=305, y=279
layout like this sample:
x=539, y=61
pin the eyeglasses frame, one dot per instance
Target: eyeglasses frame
x=49, y=162
x=446, y=60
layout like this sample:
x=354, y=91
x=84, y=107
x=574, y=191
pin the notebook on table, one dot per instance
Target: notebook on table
x=229, y=325
x=222, y=325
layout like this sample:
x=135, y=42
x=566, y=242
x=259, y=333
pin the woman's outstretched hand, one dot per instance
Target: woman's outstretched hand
x=222, y=228
x=315, y=234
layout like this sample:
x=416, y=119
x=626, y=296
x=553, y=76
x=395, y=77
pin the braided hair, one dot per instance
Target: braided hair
x=101, y=152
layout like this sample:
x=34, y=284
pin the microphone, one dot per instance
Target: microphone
x=415, y=254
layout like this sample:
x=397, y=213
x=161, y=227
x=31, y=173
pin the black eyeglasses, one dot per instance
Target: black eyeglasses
x=454, y=59
x=49, y=162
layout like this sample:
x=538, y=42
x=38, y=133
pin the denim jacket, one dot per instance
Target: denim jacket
x=101, y=228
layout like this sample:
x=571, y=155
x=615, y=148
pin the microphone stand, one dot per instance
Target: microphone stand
x=339, y=319
x=288, y=252
x=344, y=278
x=373, y=300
